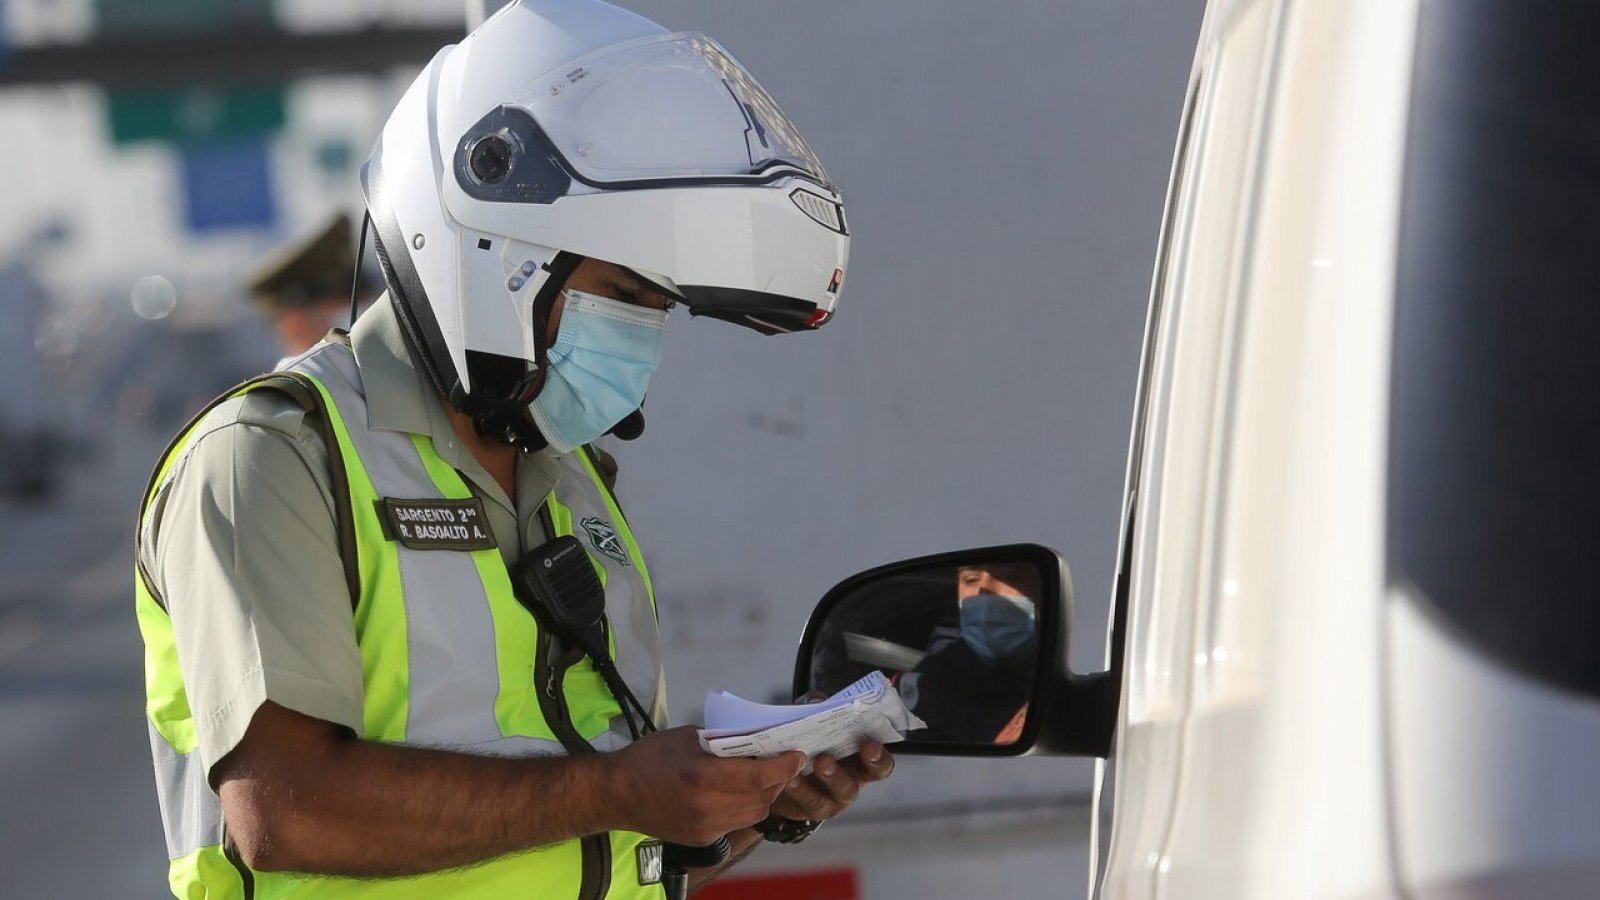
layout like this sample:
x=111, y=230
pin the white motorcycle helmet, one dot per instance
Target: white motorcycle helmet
x=563, y=129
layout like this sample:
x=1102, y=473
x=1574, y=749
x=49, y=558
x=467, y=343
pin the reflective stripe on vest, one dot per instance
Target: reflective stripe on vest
x=448, y=660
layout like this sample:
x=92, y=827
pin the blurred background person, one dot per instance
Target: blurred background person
x=304, y=289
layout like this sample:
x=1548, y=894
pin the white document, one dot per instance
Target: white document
x=870, y=709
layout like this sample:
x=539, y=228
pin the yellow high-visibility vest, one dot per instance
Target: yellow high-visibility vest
x=449, y=657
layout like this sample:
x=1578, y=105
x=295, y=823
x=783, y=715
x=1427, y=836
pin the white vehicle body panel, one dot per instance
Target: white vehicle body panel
x=1289, y=730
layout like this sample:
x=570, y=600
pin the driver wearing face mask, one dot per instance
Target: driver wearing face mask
x=973, y=683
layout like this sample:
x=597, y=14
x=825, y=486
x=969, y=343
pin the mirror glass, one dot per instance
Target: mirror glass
x=960, y=643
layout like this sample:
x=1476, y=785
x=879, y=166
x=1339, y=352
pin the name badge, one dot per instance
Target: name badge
x=650, y=855
x=431, y=524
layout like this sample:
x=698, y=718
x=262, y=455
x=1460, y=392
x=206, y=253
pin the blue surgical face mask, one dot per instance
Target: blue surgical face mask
x=998, y=627
x=600, y=366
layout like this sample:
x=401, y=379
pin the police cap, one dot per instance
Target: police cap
x=310, y=270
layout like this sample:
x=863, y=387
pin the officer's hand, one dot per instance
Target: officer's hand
x=672, y=789
x=833, y=784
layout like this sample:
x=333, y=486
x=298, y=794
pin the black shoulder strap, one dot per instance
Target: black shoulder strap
x=304, y=393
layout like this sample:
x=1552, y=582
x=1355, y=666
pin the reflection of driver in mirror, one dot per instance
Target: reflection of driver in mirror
x=973, y=683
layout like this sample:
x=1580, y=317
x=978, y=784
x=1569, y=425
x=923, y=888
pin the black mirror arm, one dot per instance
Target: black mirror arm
x=1083, y=722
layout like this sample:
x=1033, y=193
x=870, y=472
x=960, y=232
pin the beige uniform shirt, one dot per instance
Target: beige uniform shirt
x=241, y=544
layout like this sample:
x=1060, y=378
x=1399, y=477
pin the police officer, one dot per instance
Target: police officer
x=305, y=290
x=342, y=677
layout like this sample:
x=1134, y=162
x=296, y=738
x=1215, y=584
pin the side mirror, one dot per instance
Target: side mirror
x=976, y=643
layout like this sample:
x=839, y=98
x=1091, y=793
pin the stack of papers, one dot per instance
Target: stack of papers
x=870, y=709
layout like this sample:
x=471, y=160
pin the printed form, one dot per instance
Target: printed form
x=869, y=709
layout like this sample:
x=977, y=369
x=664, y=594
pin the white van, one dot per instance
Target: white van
x=1355, y=641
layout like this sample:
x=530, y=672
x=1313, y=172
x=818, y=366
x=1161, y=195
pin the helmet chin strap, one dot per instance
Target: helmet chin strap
x=511, y=426
x=516, y=427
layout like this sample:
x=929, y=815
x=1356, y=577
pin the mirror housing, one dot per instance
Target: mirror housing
x=1064, y=714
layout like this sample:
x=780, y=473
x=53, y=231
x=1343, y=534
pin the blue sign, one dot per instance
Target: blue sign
x=227, y=185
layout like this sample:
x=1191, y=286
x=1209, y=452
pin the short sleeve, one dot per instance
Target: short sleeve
x=242, y=546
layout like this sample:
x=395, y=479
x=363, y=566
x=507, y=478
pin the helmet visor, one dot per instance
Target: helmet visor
x=670, y=107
